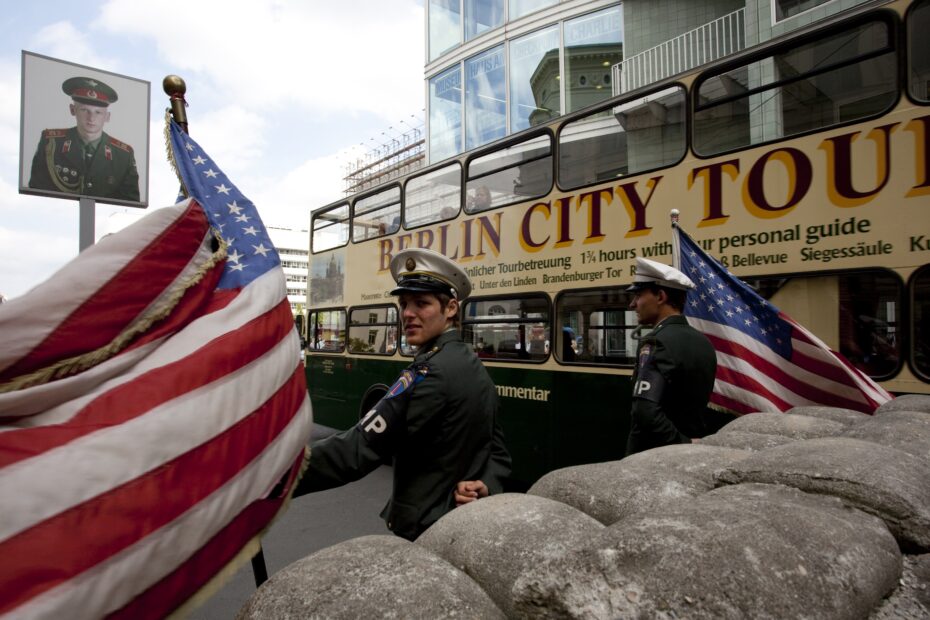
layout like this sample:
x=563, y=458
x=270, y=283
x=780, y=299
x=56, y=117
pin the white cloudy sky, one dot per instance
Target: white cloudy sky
x=279, y=91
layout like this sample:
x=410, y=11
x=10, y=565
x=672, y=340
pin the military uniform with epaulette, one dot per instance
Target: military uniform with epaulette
x=63, y=163
x=675, y=370
x=672, y=382
x=70, y=161
x=437, y=424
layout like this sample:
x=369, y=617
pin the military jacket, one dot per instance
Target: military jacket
x=437, y=425
x=674, y=377
x=62, y=165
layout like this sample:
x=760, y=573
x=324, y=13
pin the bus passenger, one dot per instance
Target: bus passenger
x=438, y=422
x=675, y=365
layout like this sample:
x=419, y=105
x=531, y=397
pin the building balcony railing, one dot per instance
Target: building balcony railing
x=724, y=36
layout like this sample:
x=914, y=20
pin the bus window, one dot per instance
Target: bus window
x=434, y=196
x=331, y=228
x=920, y=322
x=327, y=330
x=376, y=215
x=373, y=329
x=512, y=174
x=639, y=135
x=838, y=78
x=857, y=314
x=513, y=329
x=596, y=327
x=918, y=74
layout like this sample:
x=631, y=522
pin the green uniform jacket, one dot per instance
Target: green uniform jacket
x=674, y=377
x=60, y=165
x=437, y=425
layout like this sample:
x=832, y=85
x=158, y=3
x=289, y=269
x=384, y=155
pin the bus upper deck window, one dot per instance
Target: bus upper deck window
x=330, y=228
x=434, y=196
x=918, y=52
x=627, y=138
x=837, y=77
x=511, y=174
x=376, y=215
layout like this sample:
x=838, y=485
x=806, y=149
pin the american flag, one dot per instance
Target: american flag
x=153, y=411
x=765, y=360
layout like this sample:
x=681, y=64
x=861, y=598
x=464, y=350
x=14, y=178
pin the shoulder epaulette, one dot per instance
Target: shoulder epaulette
x=120, y=145
x=55, y=133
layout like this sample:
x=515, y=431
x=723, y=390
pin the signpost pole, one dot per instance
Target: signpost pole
x=86, y=230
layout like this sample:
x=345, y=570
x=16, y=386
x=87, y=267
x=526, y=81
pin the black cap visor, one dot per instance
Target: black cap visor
x=422, y=284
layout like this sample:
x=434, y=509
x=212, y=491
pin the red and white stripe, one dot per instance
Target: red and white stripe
x=752, y=377
x=128, y=486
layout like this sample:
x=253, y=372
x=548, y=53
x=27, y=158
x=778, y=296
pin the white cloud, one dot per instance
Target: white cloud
x=325, y=57
x=312, y=184
x=63, y=40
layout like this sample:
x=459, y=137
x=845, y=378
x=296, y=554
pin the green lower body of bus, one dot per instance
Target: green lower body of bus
x=551, y=419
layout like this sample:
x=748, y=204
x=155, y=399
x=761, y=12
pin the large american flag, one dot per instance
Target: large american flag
x=765, y=360
x=153, y=411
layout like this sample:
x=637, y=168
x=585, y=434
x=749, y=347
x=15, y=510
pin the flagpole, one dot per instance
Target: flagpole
x=676, y=246
x=175, y=88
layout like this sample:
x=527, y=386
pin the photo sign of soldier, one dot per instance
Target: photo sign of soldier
x=88, y=158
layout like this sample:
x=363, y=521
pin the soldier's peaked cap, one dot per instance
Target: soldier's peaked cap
x=651, y=273
x=90, y=91
x=417, y=270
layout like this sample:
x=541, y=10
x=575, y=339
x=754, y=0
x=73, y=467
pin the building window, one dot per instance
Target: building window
x=485, y=98
x=445, y=114
x=482, y=16
x=534, y=79
x=789, y=8
x=519, y=8
x=445, y=26
x=593, y=44
x=918, y=74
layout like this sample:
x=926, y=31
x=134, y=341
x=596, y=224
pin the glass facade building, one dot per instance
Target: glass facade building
x=496, y=67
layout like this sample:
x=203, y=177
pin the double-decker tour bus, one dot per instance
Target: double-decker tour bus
x=803, y=164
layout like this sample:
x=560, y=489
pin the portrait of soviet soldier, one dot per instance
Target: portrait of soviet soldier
x=84, y=159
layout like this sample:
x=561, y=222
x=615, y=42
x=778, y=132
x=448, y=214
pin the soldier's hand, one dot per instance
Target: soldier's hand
x=469, y=490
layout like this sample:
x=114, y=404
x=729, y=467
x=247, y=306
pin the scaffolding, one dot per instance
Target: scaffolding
x=400, y=149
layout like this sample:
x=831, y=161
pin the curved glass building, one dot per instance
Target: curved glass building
x=495, y=67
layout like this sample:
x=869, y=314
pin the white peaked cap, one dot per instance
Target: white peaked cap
x=650, y=272
x=417, y=270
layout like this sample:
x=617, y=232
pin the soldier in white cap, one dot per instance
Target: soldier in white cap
x=438, y=422
x=675, y=364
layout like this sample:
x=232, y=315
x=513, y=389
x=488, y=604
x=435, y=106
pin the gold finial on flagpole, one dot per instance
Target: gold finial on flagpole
x=674, y=215
x=175, y=88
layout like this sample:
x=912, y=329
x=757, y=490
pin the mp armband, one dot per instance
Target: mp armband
x=650, y=385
